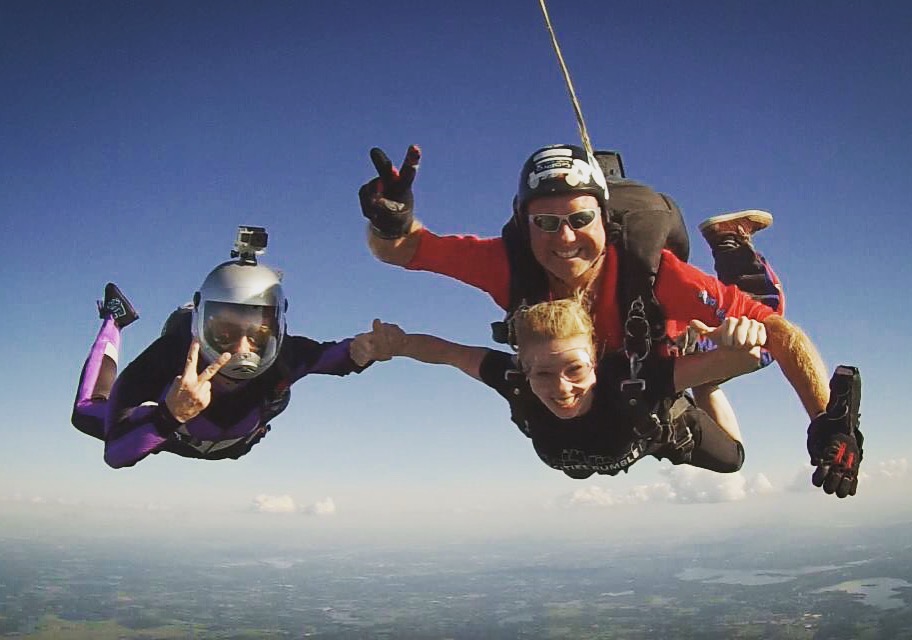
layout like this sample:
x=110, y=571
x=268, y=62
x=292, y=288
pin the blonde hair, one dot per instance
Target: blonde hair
x=552, y=320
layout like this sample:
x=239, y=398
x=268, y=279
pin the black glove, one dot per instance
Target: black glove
x=387, y=200
x=834, y=439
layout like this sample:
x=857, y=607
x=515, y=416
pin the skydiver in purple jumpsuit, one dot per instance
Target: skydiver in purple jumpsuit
x=208, y=387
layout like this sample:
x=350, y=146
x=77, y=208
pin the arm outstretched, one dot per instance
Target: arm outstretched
x=397, y=251
x=387, y=341
x=800, y=362
x=738, y=340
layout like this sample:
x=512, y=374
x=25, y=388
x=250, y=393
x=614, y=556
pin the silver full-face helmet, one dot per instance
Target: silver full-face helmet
x=240, y=309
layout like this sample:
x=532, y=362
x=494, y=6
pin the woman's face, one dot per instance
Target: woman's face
x=561, y=373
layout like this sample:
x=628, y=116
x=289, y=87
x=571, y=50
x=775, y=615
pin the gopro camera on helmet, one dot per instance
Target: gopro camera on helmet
x=241, y=303
x=250, y=243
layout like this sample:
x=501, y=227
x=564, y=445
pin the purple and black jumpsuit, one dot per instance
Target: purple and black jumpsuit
x=135, y=421
x=91, y=404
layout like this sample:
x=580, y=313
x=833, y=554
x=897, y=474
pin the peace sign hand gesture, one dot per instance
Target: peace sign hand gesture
x=387, y=200
x=191, y=393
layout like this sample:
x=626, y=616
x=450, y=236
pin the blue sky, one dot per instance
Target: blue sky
x=135, y=137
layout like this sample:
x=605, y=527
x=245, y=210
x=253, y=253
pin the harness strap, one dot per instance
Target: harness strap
x=274, y=403
x=211, y=446
x=680, y=436
x=517, y=409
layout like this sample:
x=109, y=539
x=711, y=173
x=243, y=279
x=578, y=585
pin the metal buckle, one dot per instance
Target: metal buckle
x=639, y=382
x=686, y=441
x=655, y=431
x=512, y=375
x=636, y=327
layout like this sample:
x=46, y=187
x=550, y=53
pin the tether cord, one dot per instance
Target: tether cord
x=580, y=123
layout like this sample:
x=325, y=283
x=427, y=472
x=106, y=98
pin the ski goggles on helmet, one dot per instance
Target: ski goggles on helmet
x=551, y=222
x=225, y=327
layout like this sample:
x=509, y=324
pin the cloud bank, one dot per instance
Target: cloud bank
x=324, y=507
x=273, y=504
x=893, y=469
x=264, y=503
x=682, y=485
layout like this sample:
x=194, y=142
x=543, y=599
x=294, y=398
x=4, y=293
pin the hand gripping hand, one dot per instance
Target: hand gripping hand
x=737, y=333
x=834, y=440
x=387, y=200
x=382, y=343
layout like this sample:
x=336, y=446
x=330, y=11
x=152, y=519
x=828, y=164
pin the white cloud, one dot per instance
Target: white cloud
x=692, y=485
x=324, y=507
x=801, y=481
x=894, y=469
x=684, y=485
x=658, y=492
x=592, y=496
x=273, y=504
x=595, y=496
x=760, y=485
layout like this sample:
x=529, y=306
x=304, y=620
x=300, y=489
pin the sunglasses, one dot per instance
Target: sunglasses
x=551, y=222
x=225, y=335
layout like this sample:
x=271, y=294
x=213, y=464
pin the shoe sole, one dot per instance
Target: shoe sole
x=126, y=307
x=760, y=219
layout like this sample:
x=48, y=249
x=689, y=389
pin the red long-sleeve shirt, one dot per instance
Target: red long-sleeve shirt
x=683, y=291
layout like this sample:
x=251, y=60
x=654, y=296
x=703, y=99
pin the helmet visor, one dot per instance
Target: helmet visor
x=227, y=325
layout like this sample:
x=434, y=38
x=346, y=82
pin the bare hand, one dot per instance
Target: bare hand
x=361, y=349
x=383, y=343
x=191, y=393
x=740, y=334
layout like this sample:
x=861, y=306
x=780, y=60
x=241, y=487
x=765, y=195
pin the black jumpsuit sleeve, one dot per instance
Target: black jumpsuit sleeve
x=497, y=370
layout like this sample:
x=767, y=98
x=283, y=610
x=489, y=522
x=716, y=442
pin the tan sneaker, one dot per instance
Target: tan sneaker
x=739, y=223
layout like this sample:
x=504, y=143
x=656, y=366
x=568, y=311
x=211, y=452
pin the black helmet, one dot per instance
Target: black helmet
x=560, y=168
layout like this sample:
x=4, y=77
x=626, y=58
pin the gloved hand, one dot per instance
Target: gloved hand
x=834, y=439
x=387, y=200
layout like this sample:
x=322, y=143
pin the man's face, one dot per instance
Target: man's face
x=567, y=253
